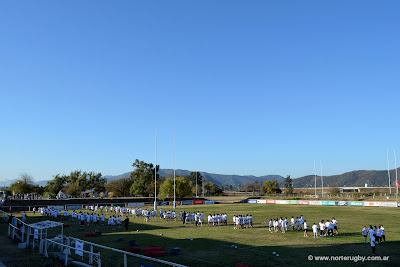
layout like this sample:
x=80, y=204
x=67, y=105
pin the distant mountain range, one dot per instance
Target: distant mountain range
x=353, y=178
x=219, y=179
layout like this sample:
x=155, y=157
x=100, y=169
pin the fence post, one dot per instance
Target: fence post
x=45, y=249
x=91, y=255
x=9, y=230
x=125, y=261
x=28, y=236
x=66, y=254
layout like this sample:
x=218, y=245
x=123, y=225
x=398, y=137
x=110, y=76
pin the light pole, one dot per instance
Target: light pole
x=174, y=205
x=155, y=179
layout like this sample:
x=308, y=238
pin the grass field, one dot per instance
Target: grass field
x=212, y=246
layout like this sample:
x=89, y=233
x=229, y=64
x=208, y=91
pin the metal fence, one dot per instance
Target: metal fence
x=49, y=247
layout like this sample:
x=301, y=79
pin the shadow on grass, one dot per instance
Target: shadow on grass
x=211, y=252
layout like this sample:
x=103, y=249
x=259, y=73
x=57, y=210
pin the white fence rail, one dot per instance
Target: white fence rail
x=94, y=257
x=125, y=253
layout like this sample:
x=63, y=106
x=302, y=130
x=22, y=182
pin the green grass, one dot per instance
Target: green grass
x=211, y=246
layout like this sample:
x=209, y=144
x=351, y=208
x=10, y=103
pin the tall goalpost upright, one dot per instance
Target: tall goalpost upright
x=155, y=177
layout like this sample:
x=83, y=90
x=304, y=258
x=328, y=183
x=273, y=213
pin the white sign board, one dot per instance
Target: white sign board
x=79, y=248
x=315, y=202
x=387, y=204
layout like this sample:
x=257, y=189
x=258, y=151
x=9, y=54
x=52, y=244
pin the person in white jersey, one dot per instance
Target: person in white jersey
x=315, y=230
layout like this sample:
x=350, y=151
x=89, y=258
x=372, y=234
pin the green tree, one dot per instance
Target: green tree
x=38, y=190
x=272, y=187
x=96, y=182
x=57, y=184
x=120, y=187
x=183, y=188
x=192, y=179
x=143, y=178
x=288, y=184
x=73, y=189
x=24, y=185
x=212, y=189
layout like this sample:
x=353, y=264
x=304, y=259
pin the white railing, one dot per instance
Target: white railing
x=125, y=253
x=67, y=251
x=92, y=255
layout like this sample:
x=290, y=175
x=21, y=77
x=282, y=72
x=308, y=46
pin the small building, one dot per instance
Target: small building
x=89, y=193
x=349, y=189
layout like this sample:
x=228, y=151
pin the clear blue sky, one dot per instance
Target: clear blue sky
x=248, y=87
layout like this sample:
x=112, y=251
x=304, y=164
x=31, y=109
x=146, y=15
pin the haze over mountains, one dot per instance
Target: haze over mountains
x=354, y=178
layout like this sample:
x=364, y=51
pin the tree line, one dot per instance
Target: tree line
x=141, y=182
x=268, y=187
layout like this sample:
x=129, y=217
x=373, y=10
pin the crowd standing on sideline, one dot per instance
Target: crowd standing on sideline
x=376, y=235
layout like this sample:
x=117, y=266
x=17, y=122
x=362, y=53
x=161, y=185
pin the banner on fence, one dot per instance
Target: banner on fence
x=209, y=202
x=261, y=201
x=252, y=201
x=342, y=203
x=118, y=204
x=271, y=201
x=197, y=202
x=329, y=203
x=293, y=202
x=140, y=204
x=356, y=203
x=73, y=207
x=282, y=202
x=164, y=203
x=187, y=202
x=79, y=248
x=132, y=204
x=303, y=202
x=371, y=204
x=56, y=207
x=387, y=204
x=315, y=202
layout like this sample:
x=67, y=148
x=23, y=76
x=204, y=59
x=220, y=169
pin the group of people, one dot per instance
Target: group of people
x=217, y=219
x=376, y=235
x=328, y=228
x=195, y=217
x=242, y=221
x=168, y=215
x=282, y=225
x=94, y=219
